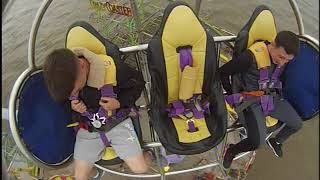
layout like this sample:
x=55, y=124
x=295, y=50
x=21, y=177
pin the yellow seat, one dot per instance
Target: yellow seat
x=260, y=27
x=171, y=83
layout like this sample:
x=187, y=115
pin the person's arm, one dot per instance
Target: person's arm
x=238, y=65
x=130, y=84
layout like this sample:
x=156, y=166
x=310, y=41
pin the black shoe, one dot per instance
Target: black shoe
x=275, y=146
x=228, y=158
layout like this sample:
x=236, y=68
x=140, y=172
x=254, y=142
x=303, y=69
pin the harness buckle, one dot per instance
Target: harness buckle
x=189, y=114
x=271, y=84
x=98, y=121
x=198, y=106
x=263, y=84
x=191, y=125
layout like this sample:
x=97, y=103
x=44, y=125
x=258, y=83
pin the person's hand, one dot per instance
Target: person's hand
x=78, y=106
x=109, y=104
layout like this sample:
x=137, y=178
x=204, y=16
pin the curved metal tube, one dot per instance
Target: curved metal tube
x=168, y=173
x=144, y=47
x=298, y=16
x=157, y=175
x=314, y=42
x=34, y=30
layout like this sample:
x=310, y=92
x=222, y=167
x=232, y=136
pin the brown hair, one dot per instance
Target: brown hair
x=289, y=41
x=60, y=72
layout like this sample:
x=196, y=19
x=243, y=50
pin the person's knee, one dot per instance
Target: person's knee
x=299, y=126
x=80, y=176
x=296, y=126
x=82, y=170
x=139, y=168
x=137, y=164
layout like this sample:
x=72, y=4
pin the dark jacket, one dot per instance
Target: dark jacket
x=130, y=84
x=246, y=65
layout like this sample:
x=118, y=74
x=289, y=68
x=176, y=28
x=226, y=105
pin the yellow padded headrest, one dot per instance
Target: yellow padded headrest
x=80, y=37
x=263, y=28
x=182, y=28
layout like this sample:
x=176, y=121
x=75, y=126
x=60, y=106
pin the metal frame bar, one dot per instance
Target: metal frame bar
x=311, y=40
x=144, y=47
x=34, y=30
x=297, y=15
x=197, y=7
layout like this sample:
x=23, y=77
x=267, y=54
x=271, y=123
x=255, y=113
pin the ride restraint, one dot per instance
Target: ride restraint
x=102, y=120
x=190, y=106
x=268, y=86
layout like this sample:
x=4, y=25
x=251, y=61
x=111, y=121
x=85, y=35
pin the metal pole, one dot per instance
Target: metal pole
x=298, y=16
x=3, y=171
x=144, y=47
x=197, y=7
x=34, y=30
x=144, y=63
x=136, y=19
x=5, y=7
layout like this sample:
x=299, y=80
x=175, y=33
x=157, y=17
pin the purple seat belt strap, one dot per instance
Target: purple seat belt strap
x=266, y=103
x=264, y=79
x=275, y=81
x=185, y=58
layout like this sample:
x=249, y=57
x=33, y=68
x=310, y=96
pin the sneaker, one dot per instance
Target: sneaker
x=99, y=174
x=275, y=146
x=228, y=158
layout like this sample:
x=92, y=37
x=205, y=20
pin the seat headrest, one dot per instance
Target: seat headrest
x=182, y=27
x=261, y=26
x=81, y=34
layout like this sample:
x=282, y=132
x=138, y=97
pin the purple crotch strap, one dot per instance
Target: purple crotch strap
x=266, y=103
x=198, y=110
x=275, y=81
x=185, y=58
x=197, y=114
x=104, y=139
x=191, y=125
x=233, y=99
x=172, y=158
x=176, y=109
x=264, y=78
x=206, y=106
